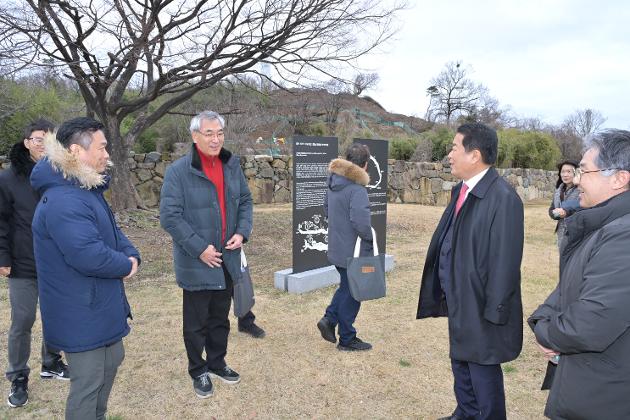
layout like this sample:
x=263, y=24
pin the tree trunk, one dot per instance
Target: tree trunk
x=123, y=194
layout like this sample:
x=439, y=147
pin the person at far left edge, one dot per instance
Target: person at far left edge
x=17, y=262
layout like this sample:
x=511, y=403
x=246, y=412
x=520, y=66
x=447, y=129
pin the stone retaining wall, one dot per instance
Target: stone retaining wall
x=430, y=183
x=269, y=179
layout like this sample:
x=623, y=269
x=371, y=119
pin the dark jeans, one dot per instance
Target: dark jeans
x=479, y=390
x=23, y=295
x=343, y=309
x=206, y=326
x=91, y=381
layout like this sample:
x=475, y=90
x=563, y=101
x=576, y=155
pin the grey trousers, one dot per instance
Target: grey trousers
x=23, y=295
x=92, y=375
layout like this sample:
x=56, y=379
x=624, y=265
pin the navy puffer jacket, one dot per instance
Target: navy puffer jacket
x=80, y=253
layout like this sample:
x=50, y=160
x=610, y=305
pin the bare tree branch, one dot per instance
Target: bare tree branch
x=363, y=82
x=584, y=122
x=452, y=93
x=142, y=58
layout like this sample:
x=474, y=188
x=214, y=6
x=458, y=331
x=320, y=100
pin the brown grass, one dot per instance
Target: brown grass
x=293, y=373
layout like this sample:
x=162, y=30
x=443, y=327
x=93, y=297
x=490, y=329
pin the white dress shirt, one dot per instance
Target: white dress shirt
x=472, y=182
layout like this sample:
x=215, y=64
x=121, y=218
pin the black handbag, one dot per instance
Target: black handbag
x=243, y=290
x=549, y=375
x=366, y=275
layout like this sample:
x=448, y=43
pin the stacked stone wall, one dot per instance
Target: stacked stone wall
x=270, y=179
x=430, y=183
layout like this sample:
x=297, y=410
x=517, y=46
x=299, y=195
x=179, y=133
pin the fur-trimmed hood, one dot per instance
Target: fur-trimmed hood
x=21, y=161
x=60, y=167
x=347, y=207
x=348, y=170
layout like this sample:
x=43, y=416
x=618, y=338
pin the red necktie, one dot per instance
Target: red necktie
x=461, y=198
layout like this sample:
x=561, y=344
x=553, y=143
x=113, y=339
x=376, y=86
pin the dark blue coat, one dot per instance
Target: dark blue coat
x=485, y=312
x=347, y=207
x=190, y=213
x=81, y=257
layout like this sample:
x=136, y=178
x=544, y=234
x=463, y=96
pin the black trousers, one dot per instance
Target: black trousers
x=479, y=391
x=206, y=327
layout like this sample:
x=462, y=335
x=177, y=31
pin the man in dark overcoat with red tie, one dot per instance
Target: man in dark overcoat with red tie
x=472, y=275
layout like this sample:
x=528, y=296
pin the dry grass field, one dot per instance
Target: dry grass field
x=293, y=373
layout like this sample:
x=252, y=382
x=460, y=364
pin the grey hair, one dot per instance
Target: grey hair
x=195, y=123
x=613, y=148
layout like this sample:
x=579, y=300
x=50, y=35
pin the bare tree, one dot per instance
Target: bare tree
x=241, y=104
x=142, y=58
x=363, y=82
x=584, y=122
x=330, y=98
x=570, y=144
x=531, y=124
x=346, y=129
x=296, y=105
x=246, y=114
x=452, y=94
x=488, y=111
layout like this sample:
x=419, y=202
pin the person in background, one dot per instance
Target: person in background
x=585, y=323
x=82, y=260
x=565, y=199
x=17, y=262
x=347, y=207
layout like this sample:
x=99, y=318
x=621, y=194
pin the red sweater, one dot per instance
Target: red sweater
x=213, y=168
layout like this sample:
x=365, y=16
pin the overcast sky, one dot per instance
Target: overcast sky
x=543, y=58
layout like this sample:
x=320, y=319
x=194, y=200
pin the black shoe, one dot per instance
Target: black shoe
x=452, y=417
x=226, y=374
x=327, y=330
x=253, y=330
x=355, y=345
x=18, y=396
x=59, y=370
x=203, y=385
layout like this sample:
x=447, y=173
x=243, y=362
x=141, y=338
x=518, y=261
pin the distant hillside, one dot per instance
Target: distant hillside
x=318, y=112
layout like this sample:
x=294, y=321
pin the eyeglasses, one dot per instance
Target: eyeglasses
x=212, y=134
x=579, y=172
x=36, y=140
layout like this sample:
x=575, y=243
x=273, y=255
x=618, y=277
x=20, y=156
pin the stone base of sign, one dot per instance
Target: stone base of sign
x=389, y=263
x=314, y=279
x=307, y=280
x=280, y=278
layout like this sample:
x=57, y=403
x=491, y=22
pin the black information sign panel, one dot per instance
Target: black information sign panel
x=311, y=156
x=377, y=188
